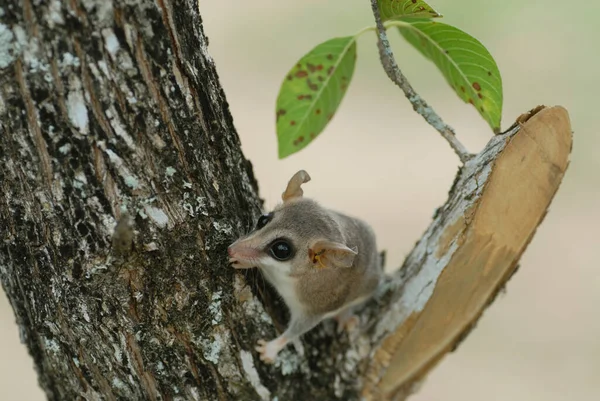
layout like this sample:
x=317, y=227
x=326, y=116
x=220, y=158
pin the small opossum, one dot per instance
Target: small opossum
x=321, y=262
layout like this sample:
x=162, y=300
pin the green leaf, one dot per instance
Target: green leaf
x=393, y=9
x=312, y=91
x=467, y=65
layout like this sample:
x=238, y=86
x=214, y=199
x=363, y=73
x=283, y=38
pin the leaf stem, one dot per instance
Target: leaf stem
x=365, y=29
x=419, y=105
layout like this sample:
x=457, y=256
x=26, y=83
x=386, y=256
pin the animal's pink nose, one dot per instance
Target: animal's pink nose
x=230, y=251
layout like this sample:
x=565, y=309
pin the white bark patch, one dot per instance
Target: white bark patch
x=78, y=113
x=223, y=227
x=116, y=125
x=152, y=246
x=119, y=384
x=6, y=46
x=252, y=375
x=111, y=43
x=103, y=10
x=56, y=17
x=130, y=180
x=212, y=349
x=158, y=216
x=2, y=106
x=51, y=345
x=29, y=48
x=66, y=148
x=418, y=289
x=80, y=180
x=85, y=313
x=290, y=362
x=104, y=68
x=215, y=308
x=183, y=87
x=68, y=60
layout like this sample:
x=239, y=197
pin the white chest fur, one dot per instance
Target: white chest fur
x=278, y=276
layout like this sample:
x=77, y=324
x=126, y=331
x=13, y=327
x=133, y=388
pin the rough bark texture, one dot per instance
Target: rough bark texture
x=114, y=109
x=106, y=108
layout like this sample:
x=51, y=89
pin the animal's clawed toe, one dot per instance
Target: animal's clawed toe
x=267, y=350
x=347, y=323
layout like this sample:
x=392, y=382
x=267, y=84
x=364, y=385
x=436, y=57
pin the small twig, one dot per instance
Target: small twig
x=419, y=105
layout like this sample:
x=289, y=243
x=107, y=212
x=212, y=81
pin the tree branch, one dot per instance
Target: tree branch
x=419, y=105
x=467, y=254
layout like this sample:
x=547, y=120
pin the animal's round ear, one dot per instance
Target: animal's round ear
x=328, y=254
x=294, y=187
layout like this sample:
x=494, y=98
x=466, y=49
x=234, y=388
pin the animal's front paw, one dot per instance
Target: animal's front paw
x=268, y=350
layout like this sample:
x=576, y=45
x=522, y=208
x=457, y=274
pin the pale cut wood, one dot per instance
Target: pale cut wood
x=489, y=235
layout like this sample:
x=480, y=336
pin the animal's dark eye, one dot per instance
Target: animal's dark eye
x=281, y=250
x=263, y=220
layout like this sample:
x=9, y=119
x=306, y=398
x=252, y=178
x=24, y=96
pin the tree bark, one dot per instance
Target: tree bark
x=123, y=183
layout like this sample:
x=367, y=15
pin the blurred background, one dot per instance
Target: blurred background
x=380, y=161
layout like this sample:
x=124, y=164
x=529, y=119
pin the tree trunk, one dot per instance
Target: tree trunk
x=123, y=183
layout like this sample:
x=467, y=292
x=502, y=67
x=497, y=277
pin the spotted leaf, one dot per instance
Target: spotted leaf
x=466, y=64
x=312, y=91
x=392, y=9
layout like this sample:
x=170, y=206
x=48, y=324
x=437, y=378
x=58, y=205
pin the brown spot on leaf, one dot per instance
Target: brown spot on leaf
x=280, y=112
x=300, y=97
x=301, y=74
x=318, y=111
x=330, y=70
x=481, y=108
x=301, y=139
x=471, y=101
x=480, y=95
x=476, y=86
x=308, y=97
x=292, y=122
x=462, y=88
x=289, y=77
x=330, y=57
x=319, y=67
x=311, y=67
x=312, y=86
x=320, y=78
x=312, y=135
x=489, y=73
x=414, y=1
